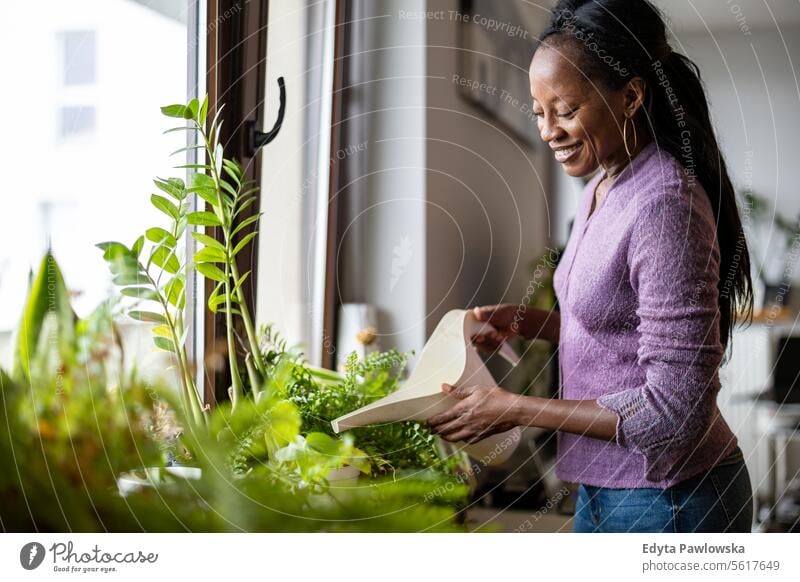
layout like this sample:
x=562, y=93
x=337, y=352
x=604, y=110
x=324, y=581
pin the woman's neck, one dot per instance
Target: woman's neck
x=614, y=164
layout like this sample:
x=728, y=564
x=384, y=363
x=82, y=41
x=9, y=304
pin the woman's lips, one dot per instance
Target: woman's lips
x=564, y=154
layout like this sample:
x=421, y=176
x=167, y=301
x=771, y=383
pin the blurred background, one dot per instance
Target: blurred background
x=407, y=180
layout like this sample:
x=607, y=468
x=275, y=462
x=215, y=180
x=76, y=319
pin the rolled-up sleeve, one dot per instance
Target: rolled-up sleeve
x=673, y=261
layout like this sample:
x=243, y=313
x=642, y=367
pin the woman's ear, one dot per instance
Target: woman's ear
x=634, y=96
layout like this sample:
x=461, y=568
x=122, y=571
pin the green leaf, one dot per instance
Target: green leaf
x=140, y=293
x=193, y=107
x=204, y=218
x=242, y=279
x=228, y=188
x=246, y=222
x=234, y=167
x=210, y=255
x=214, y=122
x=160, y=236
x=283, y=425
x=173, y=291
x=188, y=149
x=219, y=155
x=48, y=295
x=162, y=331
x=243, y=243
x=180, y=227
x=217, y=300
x=181, y=128
x=113, y=250
x=199, y=180
x=210, y=272
x=147, y=316
x=177, y=111
x=209, y=196
x=165, y=206
x=165, y=258
x=172, y=186
x=201, y=117
x=136, y=249
x=225, y=310
x=244, y=204
x=129, y=278
x=184, y=335
x=165, y=344
x=212, y=298
x=205, y=187
x=232, y=173
x=194, y=166
x=209, y=241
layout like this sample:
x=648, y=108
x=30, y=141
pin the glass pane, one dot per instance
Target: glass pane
x=82, y=135
x=78, y=50
x=292, y=233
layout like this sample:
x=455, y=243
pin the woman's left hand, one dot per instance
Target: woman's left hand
x=481, y=412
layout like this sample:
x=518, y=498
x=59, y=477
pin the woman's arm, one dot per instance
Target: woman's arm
x=486, y=410
x=544, y=324
x=583, y=417
x=510, y=320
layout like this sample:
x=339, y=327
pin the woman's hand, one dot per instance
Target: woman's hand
x=507, y=320
x=481, y=412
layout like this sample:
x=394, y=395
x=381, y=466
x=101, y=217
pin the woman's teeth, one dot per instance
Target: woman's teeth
x=563, y=154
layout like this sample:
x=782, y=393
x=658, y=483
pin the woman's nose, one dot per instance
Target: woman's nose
x=549, y=128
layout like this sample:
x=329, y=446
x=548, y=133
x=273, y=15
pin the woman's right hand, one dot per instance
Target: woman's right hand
x=508, y=321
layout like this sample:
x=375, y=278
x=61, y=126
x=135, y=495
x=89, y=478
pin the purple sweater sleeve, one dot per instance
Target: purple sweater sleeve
x=673, y=259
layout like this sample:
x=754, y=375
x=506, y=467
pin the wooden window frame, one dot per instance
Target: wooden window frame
x=236, y=41
x=236, y=46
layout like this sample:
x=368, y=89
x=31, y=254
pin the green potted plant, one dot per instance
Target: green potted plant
x=280, y=427
x=75, y=421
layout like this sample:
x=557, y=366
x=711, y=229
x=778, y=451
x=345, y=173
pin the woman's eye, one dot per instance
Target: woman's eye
x=569, y=113
x=539, y=113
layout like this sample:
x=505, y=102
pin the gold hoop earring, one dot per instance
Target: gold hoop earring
x=625, y=135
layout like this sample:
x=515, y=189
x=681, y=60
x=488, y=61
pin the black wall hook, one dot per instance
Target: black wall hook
x=257, y=138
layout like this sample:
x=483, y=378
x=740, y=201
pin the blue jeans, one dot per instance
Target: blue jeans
x=717, y=500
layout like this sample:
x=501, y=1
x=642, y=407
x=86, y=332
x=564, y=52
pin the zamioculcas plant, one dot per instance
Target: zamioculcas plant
x=221, y=184
x=161, y=278
x=157, y=277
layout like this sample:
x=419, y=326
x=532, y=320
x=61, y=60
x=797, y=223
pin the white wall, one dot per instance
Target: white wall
x=455, y=205
x=394, y=217
x=753, y=88
x=488, y=215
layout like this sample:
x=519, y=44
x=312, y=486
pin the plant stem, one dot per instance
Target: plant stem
x=236, y=380
x=190, y=397
x=232, y=270
x=258, y=359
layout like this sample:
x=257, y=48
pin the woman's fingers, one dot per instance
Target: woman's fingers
x=450, y=414
x=483, y=313
x=505, y=318
x=489, y=341
x=460, y=435
x=448, y=427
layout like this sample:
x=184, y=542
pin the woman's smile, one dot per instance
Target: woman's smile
x=564, y=154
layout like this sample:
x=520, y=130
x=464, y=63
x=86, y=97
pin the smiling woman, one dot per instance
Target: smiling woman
x=648, y=285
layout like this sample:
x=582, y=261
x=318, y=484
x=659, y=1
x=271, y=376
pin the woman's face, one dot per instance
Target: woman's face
x=579, y=120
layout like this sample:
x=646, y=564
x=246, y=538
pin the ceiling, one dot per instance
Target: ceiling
x=733, y=15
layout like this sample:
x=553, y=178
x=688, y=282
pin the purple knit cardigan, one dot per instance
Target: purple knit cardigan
x=637, y=288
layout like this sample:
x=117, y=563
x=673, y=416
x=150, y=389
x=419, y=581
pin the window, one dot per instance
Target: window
x=84, y=135
x=75, y=120
x=296, y=168
x=78, y=57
